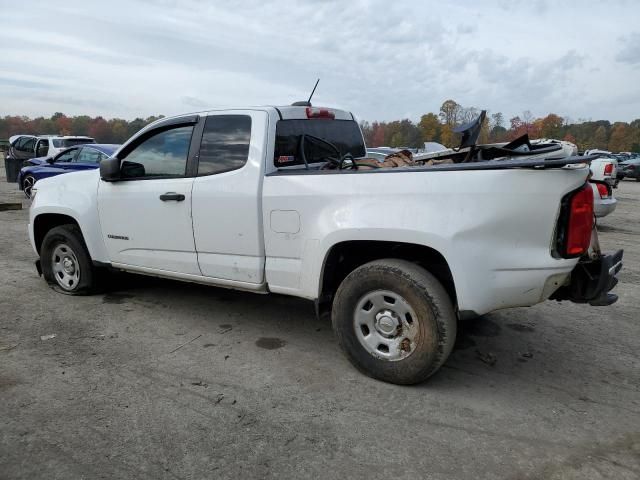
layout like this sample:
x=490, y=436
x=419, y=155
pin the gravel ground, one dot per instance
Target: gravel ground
x=158, y=379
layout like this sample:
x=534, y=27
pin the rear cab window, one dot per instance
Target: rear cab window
x=345, y=135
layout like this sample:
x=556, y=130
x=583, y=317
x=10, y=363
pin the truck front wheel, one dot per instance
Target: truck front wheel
x=66, y=264
x=394, y=320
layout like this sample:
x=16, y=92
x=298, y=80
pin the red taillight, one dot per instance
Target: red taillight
x=580, y=222
x=602, y=190
x=608, y=169
x=314, y=112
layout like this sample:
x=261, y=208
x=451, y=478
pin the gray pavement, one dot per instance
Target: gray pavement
x=158, y=379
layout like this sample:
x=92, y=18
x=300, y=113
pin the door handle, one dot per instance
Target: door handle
x=178, y=197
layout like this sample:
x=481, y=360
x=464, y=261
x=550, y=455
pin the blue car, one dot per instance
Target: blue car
x=79, y=157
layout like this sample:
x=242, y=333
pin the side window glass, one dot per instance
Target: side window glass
x=29, y=145
x=19, y=143
x=225, y=143
x=87, y=155
x=67, y=156
x=162, y=155
x=25, y=144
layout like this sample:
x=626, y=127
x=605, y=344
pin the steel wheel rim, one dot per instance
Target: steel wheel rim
x=27, y=185
x=65, y=266
x=386, y=325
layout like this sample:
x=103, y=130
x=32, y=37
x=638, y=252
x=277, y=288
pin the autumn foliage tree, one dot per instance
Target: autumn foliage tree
x=432, y=127
x=115, y=130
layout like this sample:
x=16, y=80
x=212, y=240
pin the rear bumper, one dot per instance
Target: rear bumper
x=592, y=280
x=602, y=208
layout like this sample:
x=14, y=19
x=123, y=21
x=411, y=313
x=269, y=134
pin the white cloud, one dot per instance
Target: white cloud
x=381, y=60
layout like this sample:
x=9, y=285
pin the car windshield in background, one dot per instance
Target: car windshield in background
x=70, y=142
x=345, y=135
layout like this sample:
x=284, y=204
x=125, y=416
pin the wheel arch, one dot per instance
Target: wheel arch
x=44, y=222
x=344, y=257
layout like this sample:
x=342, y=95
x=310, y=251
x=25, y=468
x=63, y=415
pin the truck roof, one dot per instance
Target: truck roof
x=285, y=112
x=300, y=112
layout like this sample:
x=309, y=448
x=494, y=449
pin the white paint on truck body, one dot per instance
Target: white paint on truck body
x=255, y=230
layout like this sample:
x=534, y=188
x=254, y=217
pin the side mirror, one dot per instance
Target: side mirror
x=50, y=160
x=110, y=169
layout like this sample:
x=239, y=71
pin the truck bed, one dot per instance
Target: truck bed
x=498, y=164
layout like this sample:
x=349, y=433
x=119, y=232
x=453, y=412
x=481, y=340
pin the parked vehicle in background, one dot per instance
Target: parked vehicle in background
x=430, y=147
x=85, y=157
x=27, y=147
x=604, y=202
x=566, y=148
x=380, y=153
x=272, y=199
x=629, y=169
x=50, y=145
x=604, y=168
x=19, y=149
x=22, y=147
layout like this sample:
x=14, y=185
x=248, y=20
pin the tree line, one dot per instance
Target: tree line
x=432, y=127
x=438, y=127
x=115, y=130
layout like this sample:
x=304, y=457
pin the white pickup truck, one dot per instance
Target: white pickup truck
x=271, y=199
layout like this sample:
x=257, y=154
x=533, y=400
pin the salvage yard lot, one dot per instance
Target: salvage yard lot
x=160, y=379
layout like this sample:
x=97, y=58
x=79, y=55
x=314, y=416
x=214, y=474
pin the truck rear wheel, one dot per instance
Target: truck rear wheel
x=65, y=260
x=394, y=320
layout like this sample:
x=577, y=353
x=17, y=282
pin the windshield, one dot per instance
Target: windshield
x=70, y=142
x=345, y=135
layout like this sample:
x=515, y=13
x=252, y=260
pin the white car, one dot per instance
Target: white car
x=605, y=167
x=50, y=145
x=271, y=199
x=604, y=202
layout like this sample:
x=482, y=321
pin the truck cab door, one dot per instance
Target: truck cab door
x=227, y=194
x=146, y=214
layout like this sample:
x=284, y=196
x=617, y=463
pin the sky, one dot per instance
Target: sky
x=382, y=60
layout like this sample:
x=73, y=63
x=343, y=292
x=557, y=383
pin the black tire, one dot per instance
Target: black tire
x=637, y=179
x=69, y=239
x=436, y=319
x=27, y=184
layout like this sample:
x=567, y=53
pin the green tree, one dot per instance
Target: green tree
x=600, y=138
x=621, y=138
x=447, y=136
x=429, y=128
x=80, y=125
x=119, y=130
x=450, y=113
x=551, y=126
